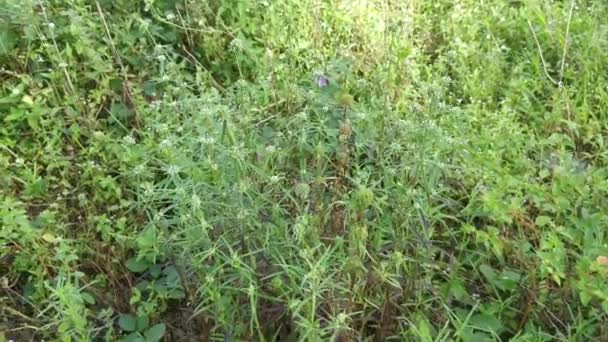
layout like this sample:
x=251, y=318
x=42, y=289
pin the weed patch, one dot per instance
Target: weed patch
x=303, y=170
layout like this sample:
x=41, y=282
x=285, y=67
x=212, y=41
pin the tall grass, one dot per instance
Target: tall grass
x=303, y=170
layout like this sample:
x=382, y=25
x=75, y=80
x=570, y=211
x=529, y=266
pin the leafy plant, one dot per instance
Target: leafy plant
x=303, y=170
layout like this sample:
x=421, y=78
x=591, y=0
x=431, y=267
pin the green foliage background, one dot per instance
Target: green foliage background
x=171, y=169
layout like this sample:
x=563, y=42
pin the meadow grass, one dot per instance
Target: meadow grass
x=249, y=170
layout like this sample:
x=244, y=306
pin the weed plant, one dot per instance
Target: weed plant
x=290, y=170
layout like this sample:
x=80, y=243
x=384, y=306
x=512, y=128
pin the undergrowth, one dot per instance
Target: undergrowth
x=303, y=170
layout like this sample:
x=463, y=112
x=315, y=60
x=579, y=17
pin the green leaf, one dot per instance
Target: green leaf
x=171, y=275
x=458, y=291
x=469, y=335
x=423, y=329
x=142, y=323
x=8, y=40
x=543, y=221
x=487, y=323
x=120, y=111
x=142, y=285
x=585, y=297
x=488, y=272
x=134, y=337
x=15, y=114
x=177, y=294
x=155, y=271
x=127, y=322
x=135, y=296
x=50, y=238
x=155, y=333
x=137, y=266
x=147, y=239
x=508, y=280
x=27, y=100
x=37, y=189
x=88, y=298
x=33, y=119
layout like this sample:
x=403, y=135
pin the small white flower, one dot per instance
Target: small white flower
x=139, y=169
x=165, y=143
x=172, y=170
x=206, y=140
x=342, y=317
x=145, y=23
x=241, y=83
x=161, y=58
x=19, y=161
x=243, y=187
x=129, y=140
x=236, y=45
x=241, y=214
x=185, y=218
x=51, y=26
x=147, y=187
x=302, y=116
x=170, y=16
x=270, y=149
x=196, y=201
x=156, y=104
x=274, y=179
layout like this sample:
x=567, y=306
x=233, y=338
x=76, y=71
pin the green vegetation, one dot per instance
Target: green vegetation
x=181, y=170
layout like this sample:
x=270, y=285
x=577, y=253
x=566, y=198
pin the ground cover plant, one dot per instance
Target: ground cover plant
x=244, y=170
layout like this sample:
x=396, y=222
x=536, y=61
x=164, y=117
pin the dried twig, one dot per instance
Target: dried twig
x=562, y=68
x=542, y=58
x=63, y=65
x=566, y=40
